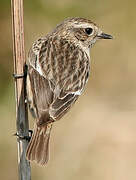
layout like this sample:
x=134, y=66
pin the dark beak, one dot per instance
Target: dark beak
x=104, y=36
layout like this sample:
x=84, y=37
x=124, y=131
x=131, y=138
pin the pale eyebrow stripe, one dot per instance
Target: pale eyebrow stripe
x=85, y=25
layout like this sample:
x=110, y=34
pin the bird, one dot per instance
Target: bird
x=58, y=70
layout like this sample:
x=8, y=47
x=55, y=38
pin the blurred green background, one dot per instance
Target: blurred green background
x=97, y=138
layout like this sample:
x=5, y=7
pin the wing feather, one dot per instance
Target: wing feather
x=55, y=75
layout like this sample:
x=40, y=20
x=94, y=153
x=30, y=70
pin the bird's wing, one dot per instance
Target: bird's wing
x=40, y=95
x=42, y=101
x=56, y=77
x=62, y=104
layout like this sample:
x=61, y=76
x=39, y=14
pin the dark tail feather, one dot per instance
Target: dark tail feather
x=38, y=148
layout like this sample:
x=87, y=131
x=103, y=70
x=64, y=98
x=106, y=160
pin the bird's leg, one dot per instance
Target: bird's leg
x=31, y=132
x=28, y=138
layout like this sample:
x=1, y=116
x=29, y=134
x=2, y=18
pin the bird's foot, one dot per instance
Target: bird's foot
x=18, y=76
x=27, y=138
x=23, y=75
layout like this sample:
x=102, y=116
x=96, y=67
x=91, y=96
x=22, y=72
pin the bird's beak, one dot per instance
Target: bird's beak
x=104, y=36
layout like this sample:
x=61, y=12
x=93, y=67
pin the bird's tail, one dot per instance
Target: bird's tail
x=38, y=148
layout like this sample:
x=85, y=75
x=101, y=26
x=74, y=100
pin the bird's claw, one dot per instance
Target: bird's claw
x=18, y=76
x=27, y=138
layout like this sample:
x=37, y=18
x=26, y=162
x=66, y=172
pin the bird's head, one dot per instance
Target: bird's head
x=81, y=31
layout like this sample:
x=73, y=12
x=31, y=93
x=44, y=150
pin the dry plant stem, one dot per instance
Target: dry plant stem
x=21, y=107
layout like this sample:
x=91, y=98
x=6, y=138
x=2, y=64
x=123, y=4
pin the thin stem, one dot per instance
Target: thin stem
x=20, y=90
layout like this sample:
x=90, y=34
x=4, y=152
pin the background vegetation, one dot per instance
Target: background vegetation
x=97, y=138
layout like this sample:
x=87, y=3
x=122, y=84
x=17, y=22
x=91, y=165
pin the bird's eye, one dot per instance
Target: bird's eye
x=88, y=31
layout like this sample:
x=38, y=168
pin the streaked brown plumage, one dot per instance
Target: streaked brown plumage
x=58, y=69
